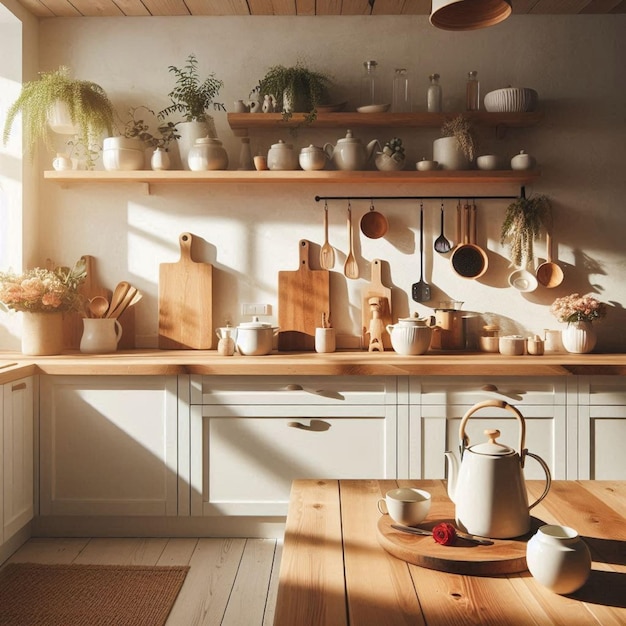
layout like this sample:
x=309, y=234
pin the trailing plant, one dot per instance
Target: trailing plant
x=138, y=127
x=523, y=221
x=293, y=83
x=89, y=107
x=192, y=96
x=461, y=128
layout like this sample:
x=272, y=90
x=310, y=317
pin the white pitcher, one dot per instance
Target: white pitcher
x=100, y=335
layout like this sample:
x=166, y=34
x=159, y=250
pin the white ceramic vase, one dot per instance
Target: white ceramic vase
x=447, y=152
x=60, y=119
x=579, y=337
x=160, y=160
x=42, y=333
x=188, y=133
x=558, y=558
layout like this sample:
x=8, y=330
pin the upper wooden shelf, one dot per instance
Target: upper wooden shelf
x=247, y=121
x=296, y=176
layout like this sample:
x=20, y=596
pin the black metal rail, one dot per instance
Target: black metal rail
x=464, y=197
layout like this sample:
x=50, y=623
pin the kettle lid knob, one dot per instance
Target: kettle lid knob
x=493, y=434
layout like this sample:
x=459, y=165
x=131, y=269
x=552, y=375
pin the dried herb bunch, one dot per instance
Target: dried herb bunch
x=461, y=128
x=523, y=221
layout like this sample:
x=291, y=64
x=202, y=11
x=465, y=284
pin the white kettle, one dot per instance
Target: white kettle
x=488, y=487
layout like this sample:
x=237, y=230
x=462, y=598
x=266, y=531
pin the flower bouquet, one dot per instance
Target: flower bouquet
x=577, y=308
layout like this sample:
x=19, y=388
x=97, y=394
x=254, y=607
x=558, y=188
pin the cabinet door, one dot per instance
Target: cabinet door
x=17, y=455
x=108, y=445
x=601, y=428
x=437, y=406
x=244, y=456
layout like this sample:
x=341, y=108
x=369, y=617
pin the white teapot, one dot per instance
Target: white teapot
x=488, y=487
x=410, y=336
x=349, y=153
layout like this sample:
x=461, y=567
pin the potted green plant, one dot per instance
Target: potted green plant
x=297, y=88
x=457, y=147
x=192, y=97
x=523, y=221
x=88, y=110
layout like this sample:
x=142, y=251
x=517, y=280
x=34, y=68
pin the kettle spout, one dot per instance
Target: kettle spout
x=453, y=472
x=371, y=146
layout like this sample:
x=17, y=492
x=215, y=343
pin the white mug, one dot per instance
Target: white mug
x=406, y=506
x=325, y=340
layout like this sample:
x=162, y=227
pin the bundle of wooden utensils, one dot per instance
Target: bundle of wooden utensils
x=124, y=295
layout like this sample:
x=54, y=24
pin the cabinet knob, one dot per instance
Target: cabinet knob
x=18, y=387
x=293, y=387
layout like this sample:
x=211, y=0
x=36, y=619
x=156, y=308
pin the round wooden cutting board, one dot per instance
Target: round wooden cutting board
x=505, y=556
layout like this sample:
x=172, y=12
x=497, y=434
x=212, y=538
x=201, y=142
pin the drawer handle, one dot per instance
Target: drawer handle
x=317, y=426
x=18, y=387
x=294, y=387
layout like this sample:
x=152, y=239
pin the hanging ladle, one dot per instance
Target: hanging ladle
x=374, y=225
x=442, y=245
x=549, y=274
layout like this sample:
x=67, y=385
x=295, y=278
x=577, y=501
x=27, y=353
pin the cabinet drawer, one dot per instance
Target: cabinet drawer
x=468, y=391
x=602, y=391
x=294, y=390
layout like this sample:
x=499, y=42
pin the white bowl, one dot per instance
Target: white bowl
x=425, y=166
x=374, y=108
x=123, y=159
x=511, y=100
x=488, y=162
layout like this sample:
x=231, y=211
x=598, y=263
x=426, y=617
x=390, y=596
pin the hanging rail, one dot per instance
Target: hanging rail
x=466, y=196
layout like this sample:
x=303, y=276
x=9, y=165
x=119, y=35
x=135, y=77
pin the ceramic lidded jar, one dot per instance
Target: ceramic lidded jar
x=312, y=158
x=558, y=558
x=255, y=338
x=410, y=336
x=522, y=161
x=207, y=154
x=281, y=156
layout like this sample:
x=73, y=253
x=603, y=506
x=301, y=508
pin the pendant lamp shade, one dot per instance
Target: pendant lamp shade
x=468, y=14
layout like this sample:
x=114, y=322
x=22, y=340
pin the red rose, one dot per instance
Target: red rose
x=444, y=533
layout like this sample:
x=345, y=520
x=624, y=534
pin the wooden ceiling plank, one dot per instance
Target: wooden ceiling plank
x=601, y=6
x=37, y=8
x=416, y=7
x=388, y=7
x=521, y=7
x=272, y=7
x=328, y=7
x=61, y=8
x=559, y=7
x=132, y=8
x=218, y=7
x=305, y=7
x=355, y=7
x=620, y=8
x=97, y=8
x=166, y=8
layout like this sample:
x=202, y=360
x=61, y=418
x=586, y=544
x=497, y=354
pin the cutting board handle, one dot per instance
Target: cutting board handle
x=377, y=272
x=304, y=254
x=185, y=240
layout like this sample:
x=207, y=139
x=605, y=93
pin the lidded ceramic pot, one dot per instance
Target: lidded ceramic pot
x=281, y=156
x=255, y=338
x=410, y=336
x=522, y=161
x=313, y=158
x=207, y=154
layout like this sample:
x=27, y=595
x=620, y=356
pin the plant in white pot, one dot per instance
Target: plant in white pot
x=193, y=97
x=57, y=102
x=458, y=146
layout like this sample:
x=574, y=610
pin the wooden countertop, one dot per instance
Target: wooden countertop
x=335, y=573
x=344, y=363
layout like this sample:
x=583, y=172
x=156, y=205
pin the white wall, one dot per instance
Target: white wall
x=252, y=232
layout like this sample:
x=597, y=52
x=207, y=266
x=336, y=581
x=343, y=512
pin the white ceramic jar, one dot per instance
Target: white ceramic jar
x=281, y=156
x=558, y=558
x=511, y=345
x=255, y=338
x=313, y=158
x=522, y=161
x=207, y=154
x=410, y=336
x=123, y=154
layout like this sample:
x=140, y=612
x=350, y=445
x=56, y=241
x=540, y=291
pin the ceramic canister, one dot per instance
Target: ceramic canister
x=558, y=558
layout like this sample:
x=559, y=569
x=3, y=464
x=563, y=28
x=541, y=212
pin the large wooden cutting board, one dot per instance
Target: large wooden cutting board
x=303, y=297
x=185, y=301
x=375, y=289
x=505, y=556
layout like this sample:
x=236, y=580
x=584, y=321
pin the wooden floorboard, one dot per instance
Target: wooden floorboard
x=231, y=582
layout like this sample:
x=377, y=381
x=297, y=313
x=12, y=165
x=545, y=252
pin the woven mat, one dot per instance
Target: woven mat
x=89, y=595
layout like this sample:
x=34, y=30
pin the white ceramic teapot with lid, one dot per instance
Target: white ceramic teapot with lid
x=411, y=335
x=349, y=153
x=487, y=486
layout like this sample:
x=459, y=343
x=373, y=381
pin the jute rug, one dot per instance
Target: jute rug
x=87, y=595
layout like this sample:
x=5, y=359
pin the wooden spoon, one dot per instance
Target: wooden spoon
x=327, y=253
x=98, y=306
x=351, y=267
x=131, y=298
x=549, y=274
x=119, y=292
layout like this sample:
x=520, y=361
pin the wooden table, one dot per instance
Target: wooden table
x=333, y=571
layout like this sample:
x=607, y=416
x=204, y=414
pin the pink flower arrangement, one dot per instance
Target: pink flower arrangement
x=577, y=308
x=43, y=290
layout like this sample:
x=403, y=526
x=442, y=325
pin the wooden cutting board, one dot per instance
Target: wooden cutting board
x=505, y=556
x=303, y=297
x=185, y=301
x=375, y=289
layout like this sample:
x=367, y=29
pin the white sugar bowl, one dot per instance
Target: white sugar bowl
x=522, y=161
x=207, y=154
x=312, y=158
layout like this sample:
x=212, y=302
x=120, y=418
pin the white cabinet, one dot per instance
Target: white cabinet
x=16, y=467
x=601, y=427
x=251, y=437
x=436, y=406
x=108, y=445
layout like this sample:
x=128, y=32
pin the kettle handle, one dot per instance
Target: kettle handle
x=500, y=404
x=546, y=469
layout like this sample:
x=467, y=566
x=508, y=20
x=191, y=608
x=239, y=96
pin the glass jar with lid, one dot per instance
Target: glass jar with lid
x=472, y=92
x=369, y=85
x=434, y=94
x=401, y=92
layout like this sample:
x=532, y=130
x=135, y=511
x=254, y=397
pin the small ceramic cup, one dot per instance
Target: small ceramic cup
x=260, y=162
x=325, y=340
x=406, y=506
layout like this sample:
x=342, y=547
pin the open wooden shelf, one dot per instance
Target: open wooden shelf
x=297, y=176
x=257, y=121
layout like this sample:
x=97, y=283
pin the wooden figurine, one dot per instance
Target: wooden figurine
x=377, y=325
